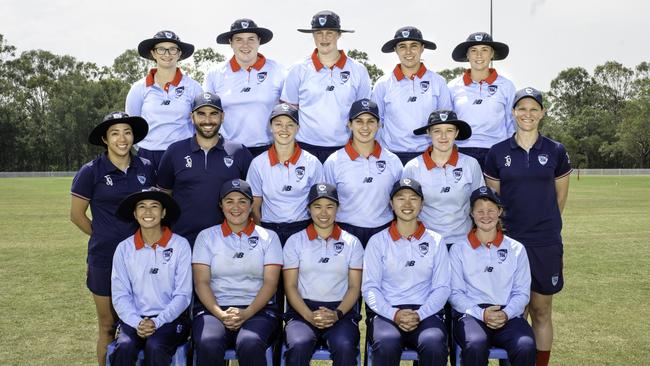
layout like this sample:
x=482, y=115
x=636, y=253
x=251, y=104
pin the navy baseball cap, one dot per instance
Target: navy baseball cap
x=138, y=124
x=501, y=50
x=236, y=185
x=362, y=106
x=408, y=33
x=528, y=93
x=484, y=192
x=284, y=109
x=322, y=190
x=325, y=19
x=446, y=117
x=407, y=183
x=207, y=98
x=145, y=47
x=245, y=26
x=127, y=206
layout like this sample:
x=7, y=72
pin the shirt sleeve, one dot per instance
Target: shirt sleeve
x=439, y=283
x=364, y=83
x=377, y=96
x=290, y=252
x=372, y=279
x=444, y=99
x=318, y=175
x=182, y=293
x=254, y=178
x=291, y=87
x=329, y=170
x=477, y=175
x=121, y=290
x=490, y=169
x=520, y=295
x=209, y=81
x=166, y=176
x=564, y=164
x=201, y=253
x=273, y=253
x=511, y=125
x=458, y=298
x=356, y=255
x=83, y=183
x=134, y=99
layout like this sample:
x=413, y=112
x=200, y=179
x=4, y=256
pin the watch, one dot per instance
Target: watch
x=339, y=314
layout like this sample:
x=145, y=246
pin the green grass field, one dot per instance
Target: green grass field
x=48, y=317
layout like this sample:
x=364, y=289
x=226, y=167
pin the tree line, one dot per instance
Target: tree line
x=49, y=103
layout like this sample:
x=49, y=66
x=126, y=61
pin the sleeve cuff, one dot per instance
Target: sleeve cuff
x=133, y=321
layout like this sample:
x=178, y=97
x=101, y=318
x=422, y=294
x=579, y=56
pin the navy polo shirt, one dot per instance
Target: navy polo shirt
x=527, y=180
x=195, y=178
x=105, y=186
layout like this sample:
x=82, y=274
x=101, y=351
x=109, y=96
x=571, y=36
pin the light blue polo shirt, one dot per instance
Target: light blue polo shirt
x=486, y=106
x=284, y=186
x=167, y=110
x=237, y=260
x=248, y=97
x=363, y=184
x=324, y=96
x=405, y=104
x=323, y=264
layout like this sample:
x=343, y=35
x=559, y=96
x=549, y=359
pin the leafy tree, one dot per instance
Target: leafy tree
x=451, y=74
x=634, y=131
x=202, y=61
x=374, y=71
x=130, y=67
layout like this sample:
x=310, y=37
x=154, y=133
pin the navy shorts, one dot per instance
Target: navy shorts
x=546, y=268
x=98, y=280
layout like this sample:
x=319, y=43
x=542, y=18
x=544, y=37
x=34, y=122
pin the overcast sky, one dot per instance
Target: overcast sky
x=545, y=36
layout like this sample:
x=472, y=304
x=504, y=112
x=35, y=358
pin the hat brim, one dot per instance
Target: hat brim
x=139, y=126
x=389, y=46
x=464, y=129
x=265, y=35
x=501, y=50
x=145, y=47
x=283, y=114
x=314, y=30
x=326, y=197
x=127, y=206
x=393, y=193
x=206, y=104
x=234, y=189
x=364, y=112
x=514, y=104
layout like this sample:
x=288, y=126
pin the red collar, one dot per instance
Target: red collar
x=475, y=243
x=399, y=75
x=467, y=77
x=353, y=154
x=248, y=229
x=149, y=81
x=139, y=241
x=312, y=234
x=273, y=156
x=318, y=65
x=261, y=60
x=430, y=164
x=395, y=235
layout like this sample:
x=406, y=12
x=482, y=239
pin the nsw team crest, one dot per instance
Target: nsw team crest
x=142, y=179
x=261, y=76
x=542, y=158
x=502, y=254
x=179, y=91
x=228, y=160
x=424, y=85
x=345, y=76
x=338, y=247
x=322, y=21
x=424, y=248
x=253, y=241
x=167, y=254
x=458, y=173
x=492, y=89
x=381, y=165
x=300, y=172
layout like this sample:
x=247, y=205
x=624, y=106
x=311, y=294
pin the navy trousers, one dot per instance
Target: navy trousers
x=159, y=348
x=475, y=339
x=341, y=339
x=212, y=338
x=429, y=339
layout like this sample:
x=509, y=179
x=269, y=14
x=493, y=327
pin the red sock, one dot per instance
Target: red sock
x=542, y=358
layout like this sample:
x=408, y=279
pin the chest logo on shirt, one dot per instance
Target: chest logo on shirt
x=142, y=179
x=458, y=173
x=188, y=161
x=424, y=85
x=228, y=160
x=338, y=247
x=252, y=241
x=508, y=161
x=381, y=165
x=109, y=181
x=492, y=89
x=410, y=264
x=179, y=91
x=261, y=76
x=502, y=254
x=323, y=260
x=424, y=248
x=542, y=158
x=300, y=173
x=345, y=76
x=238, y=255
x=167, y=254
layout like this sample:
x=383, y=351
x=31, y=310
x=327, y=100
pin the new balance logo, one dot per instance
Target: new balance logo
x=165, y=102
x=153, y=270
x=245, y=90
x=238, y=255
x=329, y=88
x=445, y=189
x=367, y=180
x=411, y=99
x=286, y=189
x=478, y=101
x=324, y=260
x=410, y=264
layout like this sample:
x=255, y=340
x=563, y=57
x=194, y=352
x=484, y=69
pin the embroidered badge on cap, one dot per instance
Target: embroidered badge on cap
x=443, y=116
x=244, y=25
x=406, y=33
x=235, y=183
x=478, y=37
x=321, y=188
x=322, y=21
x=169, y=34
x=529, y=90
x=364, y=103
x=406, y=181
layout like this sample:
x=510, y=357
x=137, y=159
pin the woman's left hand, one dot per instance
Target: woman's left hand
x=238, y=317
x=325, y=318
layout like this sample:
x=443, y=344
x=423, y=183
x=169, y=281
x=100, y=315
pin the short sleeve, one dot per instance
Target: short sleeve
x=273, y=253
x=254, y=177
x=83, y=183
x=490, y=169
x=290, y=252
x=564, y=163
x=201, y=253
x=134, y=100
x=356, y=255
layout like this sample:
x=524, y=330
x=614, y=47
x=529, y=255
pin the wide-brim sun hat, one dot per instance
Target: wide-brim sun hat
x=501, y=50
x=325, y=19
x=245, y=25
x=127, y=206
x=145, y=47
x=408, y=33
x=138, y=125
x=446, y=117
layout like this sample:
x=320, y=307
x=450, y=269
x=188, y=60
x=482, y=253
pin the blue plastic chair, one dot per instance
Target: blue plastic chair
x=179, y=359
x=321, y=354
x=231, y=355
x=495, y=354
